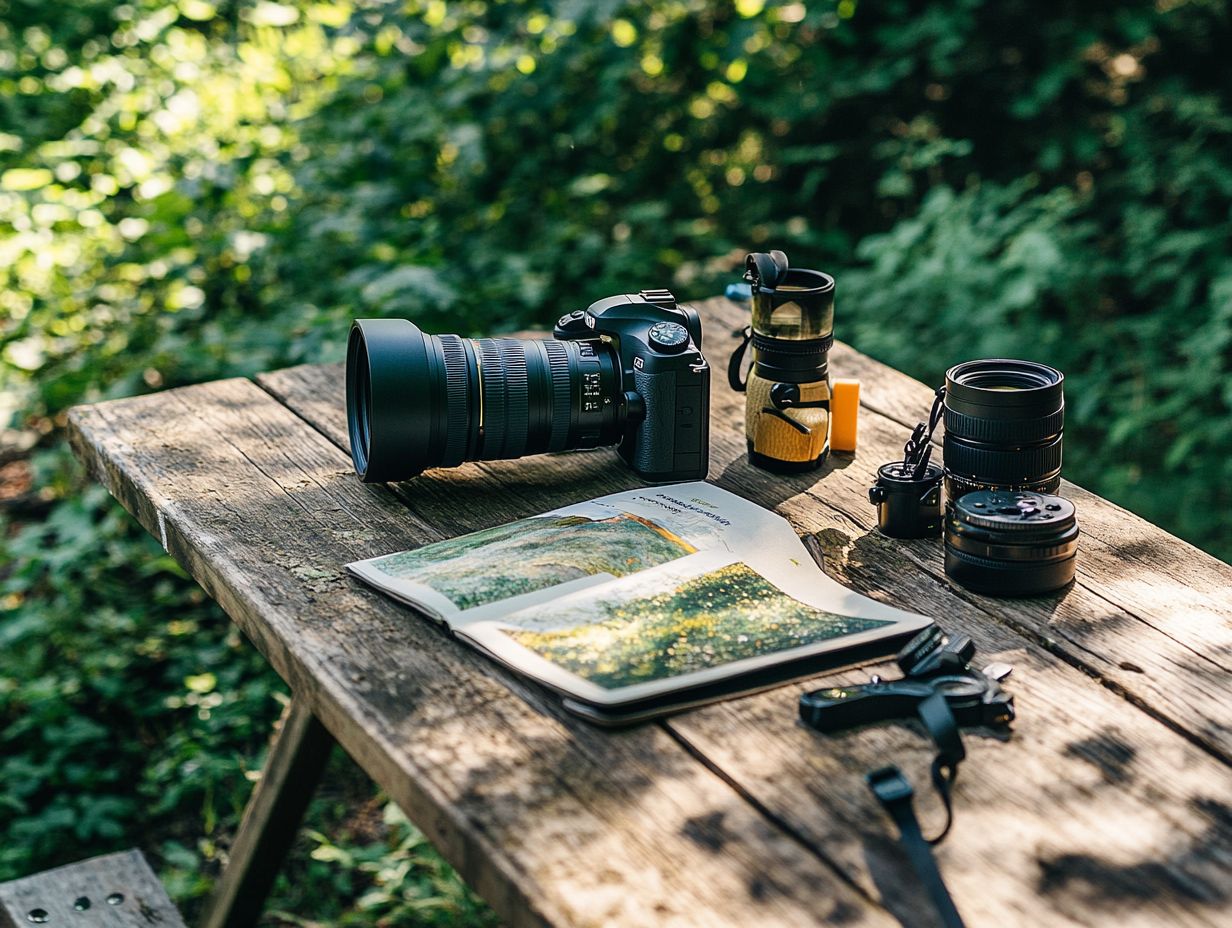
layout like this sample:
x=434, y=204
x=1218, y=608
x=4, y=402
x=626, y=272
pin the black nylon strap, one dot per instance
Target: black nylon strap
x=734, y=374
x=919, y=446
x=894, y=793
x=943, y=729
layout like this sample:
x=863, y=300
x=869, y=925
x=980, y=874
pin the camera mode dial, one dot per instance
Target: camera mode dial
x=668, y=337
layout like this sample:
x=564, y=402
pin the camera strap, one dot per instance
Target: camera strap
x=735, y=376
x=895, y=794
x=919, y=446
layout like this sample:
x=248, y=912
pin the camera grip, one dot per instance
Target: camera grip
x=672, y=441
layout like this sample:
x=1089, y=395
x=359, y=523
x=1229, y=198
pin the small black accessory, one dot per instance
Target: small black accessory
x=907, y=493
x=934, y=665
x=1004, y=421
x=943, y=692
x=907, y=506
x=1011, y=544
x=933, y=651
x=626, y=371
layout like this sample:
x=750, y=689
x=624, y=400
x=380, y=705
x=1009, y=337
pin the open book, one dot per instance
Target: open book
x=646, y=601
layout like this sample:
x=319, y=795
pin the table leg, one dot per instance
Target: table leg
x=271, y=819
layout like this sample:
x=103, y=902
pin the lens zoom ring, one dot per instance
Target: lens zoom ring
x=957, y=487
x=504, y=392
x=1002, y=466
x=457, y=397
x=995, y=429
x=517, y=403
x=558, y=367
x=495, y=420
x=1044, y=561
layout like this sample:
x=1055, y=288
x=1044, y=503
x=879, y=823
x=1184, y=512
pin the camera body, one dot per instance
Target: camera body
x=664, y=380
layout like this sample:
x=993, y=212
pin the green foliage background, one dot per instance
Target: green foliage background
x=202, y=188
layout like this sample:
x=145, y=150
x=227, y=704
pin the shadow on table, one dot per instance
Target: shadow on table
x=772, y=489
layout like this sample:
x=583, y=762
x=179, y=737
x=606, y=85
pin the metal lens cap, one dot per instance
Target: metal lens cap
x=1013, y=512
x=668, y=337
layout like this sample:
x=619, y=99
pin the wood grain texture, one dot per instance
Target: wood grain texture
x=552, y=821
x=114, y=891
x=1091, y=807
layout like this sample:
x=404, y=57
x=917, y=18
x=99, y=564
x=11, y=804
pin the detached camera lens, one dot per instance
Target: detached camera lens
x=1003, y=426
x=1011, y=544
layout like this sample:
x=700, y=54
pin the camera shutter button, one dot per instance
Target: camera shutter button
x=668, y=337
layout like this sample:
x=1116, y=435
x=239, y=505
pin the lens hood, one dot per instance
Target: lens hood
x=388, y=409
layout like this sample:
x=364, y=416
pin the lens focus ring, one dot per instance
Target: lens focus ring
x=1010, y=466
x=999, y=429
x=517, y=407
x=504, y=397
x=492, y=373
x=457, y=400
x=558, y=364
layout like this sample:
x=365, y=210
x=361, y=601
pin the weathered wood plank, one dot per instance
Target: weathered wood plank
x=1100, y=768
x=271, y=820
x=113, y=891
x=552, y=821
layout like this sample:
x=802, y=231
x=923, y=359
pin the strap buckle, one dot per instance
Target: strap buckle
x=889, y=785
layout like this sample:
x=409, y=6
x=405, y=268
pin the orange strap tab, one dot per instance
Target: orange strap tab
x=844, y=413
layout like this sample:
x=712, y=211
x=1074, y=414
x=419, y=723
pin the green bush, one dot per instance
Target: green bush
x=205, y=188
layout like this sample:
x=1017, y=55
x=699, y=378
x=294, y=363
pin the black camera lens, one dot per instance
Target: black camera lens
x=416, y=401
x=1011, y=544
x=1003, y=426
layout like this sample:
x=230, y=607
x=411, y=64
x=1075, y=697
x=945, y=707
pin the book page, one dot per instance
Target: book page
x=692, y=621
x=639, y=593
x=501, y=570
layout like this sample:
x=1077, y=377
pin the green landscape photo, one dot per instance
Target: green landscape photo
x=725, y=615
x=534, y=554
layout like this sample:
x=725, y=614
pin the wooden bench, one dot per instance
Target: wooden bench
x=1110, y=802
x=113, y=891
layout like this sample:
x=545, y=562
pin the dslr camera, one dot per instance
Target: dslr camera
x=626, y=371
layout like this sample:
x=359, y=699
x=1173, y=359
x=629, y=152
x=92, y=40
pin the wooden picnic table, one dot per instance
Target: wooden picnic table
x=1110, y=803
